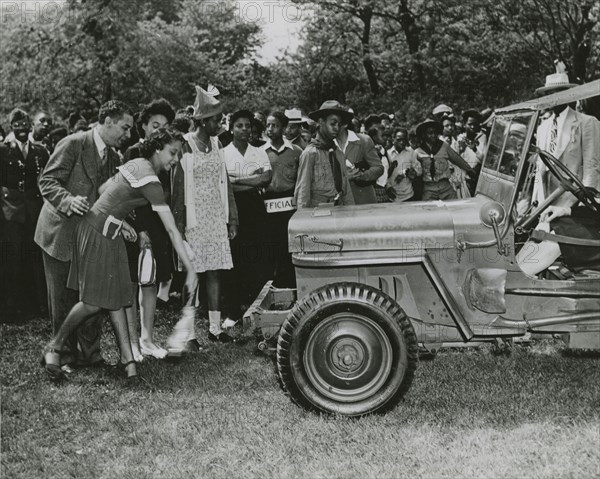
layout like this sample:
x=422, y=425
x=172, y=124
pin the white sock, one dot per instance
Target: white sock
x=214, y=320
x=163, y=290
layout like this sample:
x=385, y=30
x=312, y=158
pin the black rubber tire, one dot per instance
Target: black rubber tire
x=340, y=327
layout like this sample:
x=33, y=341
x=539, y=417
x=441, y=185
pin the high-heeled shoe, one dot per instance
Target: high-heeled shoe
x=129, y=369
x=155, y=352
x=51, y=363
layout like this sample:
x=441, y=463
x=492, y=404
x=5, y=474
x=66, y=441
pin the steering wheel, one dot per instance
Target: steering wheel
x=569, y=181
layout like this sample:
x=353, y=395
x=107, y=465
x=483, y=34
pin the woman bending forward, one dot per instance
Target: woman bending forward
x=99, y=269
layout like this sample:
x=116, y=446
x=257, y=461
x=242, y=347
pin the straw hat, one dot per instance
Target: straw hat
x=556, y=81
x=294, y=116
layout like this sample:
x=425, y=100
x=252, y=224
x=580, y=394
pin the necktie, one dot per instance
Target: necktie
x=432, y=167
x=337, y=172
x=553, y=136
x=104, y=169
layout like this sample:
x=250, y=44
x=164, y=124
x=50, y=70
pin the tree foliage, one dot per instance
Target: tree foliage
x=98, y=50
x=403, y=56
x=408, y=55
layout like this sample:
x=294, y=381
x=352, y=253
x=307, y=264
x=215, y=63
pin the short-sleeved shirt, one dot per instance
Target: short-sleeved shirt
x=406, y=159
x=135, y=184
x=241, y=167
x=284, y=163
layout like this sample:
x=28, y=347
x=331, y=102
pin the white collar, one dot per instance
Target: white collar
x=352, y=137
x=100, y=145
x=286, y=144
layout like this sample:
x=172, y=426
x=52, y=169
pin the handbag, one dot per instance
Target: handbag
x=146, y=267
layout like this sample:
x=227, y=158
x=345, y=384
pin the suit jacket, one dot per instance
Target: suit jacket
x=362, y=154
x=577, y=147
x=73, y=170
x=20, y=199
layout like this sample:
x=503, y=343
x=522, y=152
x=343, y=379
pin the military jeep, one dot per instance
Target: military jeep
x=375, y=282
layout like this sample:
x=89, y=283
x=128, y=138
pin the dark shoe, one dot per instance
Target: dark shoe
x=129, y=369
x=220, y=338
x=98, y=364
x=193, y=346
x=51, y=363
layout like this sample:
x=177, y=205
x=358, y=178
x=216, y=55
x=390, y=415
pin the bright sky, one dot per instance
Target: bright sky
x=280, y=20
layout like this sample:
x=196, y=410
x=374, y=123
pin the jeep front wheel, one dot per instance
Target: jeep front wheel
x=347, y=349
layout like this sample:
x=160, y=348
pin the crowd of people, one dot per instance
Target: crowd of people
x=103, y=213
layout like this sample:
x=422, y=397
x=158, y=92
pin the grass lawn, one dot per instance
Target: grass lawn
x=221, y=413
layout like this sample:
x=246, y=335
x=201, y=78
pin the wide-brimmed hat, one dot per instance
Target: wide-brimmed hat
x=422, y=127
x=206, y=105
x=441, y=109
x=555, y=82
x=331, y=107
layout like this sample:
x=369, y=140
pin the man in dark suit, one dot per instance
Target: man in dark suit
x=42, y=126
x=69, y=184
x=362, y=164
x=21, y=162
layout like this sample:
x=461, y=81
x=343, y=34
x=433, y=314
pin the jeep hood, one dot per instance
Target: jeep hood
x=388, y=226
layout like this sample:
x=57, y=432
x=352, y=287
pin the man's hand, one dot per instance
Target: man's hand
x=232, y=231
x=144, y=239
x=411, y=174
x=79, y=205
x=353, y=174
x=128, y=232
x=391, y=192
x=554, y=212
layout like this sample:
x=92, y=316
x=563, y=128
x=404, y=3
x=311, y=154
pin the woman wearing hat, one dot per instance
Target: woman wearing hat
x=204, y=207
x=322, y=173
x=249, y=171
x=436, y=156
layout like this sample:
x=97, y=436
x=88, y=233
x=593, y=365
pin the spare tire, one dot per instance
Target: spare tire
x=347, y=349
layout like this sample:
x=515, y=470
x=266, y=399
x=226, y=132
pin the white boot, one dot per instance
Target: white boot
x=178, y=339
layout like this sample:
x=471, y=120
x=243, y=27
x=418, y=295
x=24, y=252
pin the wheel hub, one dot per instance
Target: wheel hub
x=348, y=357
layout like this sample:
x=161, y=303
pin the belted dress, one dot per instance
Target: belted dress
x=99, y=268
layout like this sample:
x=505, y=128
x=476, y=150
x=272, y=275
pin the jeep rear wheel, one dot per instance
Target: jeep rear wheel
x=347, y=349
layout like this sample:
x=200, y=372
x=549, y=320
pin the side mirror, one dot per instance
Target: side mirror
x=493, y=214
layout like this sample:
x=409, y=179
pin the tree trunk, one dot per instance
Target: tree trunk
x=413, y=40
x=366, y=15
x=581, y=45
